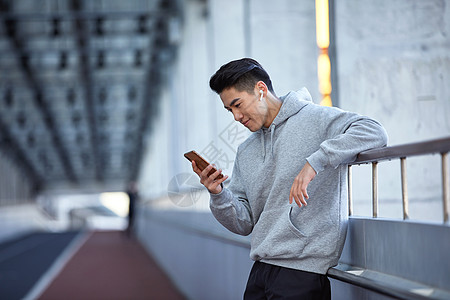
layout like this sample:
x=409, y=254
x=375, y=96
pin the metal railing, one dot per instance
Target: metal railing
x=382, y=284
x=441, y=146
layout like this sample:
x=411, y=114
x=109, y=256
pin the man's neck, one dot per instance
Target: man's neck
x=273, y=107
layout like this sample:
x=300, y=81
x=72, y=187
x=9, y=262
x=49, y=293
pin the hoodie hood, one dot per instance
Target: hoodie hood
x=292, y=103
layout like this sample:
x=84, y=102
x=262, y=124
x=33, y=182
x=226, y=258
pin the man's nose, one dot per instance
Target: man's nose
x=237, y=116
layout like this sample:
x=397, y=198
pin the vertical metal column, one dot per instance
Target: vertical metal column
x=404, y=188
x=375, y=189
x=2, y=179
x=247, y=28
x=350, y=190
x=445, y=186
x=332, y=53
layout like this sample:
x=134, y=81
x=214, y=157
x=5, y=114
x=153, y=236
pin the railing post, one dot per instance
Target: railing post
x=445, y=186
x=350, y=190
x=404, y=188
x=375, y=189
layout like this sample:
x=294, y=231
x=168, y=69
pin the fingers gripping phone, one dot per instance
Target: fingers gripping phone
x=200, y=162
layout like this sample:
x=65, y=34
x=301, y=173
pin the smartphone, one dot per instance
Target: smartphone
x=200, y=162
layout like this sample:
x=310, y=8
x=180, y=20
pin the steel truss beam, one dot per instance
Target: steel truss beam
x=10, y=26
x=82, y=37
x=20, y=158
x=153, y=85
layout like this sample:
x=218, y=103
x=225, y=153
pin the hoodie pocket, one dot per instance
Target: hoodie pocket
x=294, y=229
x=276, y=237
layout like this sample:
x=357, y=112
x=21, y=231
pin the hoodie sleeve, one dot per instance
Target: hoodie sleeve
x=231, y=208
x=347, y=134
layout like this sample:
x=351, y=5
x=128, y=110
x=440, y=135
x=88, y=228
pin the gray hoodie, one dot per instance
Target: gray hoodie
x=308, y=238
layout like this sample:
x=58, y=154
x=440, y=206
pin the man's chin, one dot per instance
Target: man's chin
x=252, y=129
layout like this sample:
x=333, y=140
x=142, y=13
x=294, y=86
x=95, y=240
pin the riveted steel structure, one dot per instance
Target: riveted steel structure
x=79, y=85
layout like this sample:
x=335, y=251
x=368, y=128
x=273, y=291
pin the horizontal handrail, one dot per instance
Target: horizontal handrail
x=385, y=284
x=428, y=147
x=401, y=152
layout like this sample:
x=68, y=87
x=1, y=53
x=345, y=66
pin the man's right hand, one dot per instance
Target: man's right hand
x=210, y=182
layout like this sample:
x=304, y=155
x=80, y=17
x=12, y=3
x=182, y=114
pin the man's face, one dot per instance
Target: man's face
x=246, y=108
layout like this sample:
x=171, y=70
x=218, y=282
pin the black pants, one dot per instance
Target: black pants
x=272, y=282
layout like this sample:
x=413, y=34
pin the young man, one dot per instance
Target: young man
x=289, y=183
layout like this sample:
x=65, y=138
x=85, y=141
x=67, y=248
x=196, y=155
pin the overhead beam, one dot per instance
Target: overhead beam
x=82, y=38
x=87, y=15
x=148, y=110
x=13, y=150
x=152, y=88
x=31, y=79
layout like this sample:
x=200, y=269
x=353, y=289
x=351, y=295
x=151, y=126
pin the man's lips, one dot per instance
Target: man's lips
x=245, y=123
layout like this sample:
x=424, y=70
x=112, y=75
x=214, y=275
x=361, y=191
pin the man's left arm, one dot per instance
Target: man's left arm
x=360, y=135
x=355, y=135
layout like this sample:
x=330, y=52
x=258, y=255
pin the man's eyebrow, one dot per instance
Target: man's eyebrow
x=232, y=102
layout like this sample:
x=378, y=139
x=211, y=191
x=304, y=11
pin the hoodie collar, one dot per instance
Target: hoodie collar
x=292, y=103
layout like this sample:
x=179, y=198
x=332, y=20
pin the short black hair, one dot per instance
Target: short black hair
x=242, y=74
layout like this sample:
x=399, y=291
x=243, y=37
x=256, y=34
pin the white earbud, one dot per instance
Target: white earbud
x=262, y=94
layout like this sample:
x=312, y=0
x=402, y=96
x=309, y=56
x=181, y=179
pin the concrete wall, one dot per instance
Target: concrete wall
x=17, y=213
x=22, y=212
x=15, y=188
x=393, y=64
x=408, y=250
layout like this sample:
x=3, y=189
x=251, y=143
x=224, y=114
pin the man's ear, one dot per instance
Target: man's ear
x=260, y=86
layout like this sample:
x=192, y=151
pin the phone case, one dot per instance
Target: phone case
x=200, y=161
